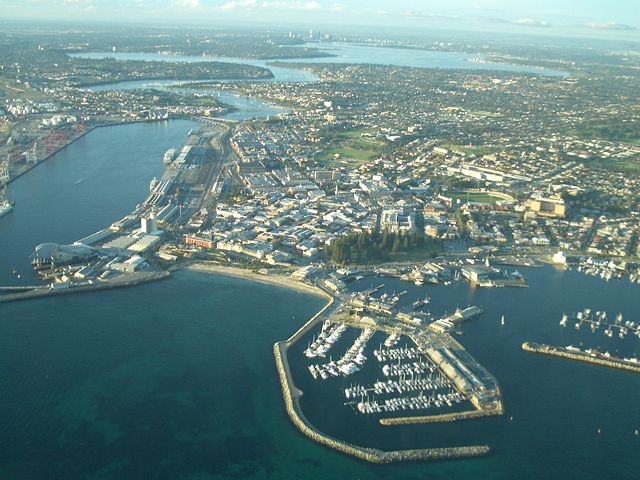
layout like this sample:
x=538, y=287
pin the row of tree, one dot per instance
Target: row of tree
x=371, y=246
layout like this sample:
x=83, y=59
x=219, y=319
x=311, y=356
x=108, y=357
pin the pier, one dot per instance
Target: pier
x=574, y=353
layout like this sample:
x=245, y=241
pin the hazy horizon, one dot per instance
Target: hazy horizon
x=560, y=18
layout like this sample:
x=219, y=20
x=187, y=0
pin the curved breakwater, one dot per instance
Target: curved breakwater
x=292, y=395
x=579, y=356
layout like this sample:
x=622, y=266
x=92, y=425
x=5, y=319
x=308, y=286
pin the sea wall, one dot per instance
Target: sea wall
x=129, y=281
x=443, y=418
x=582, y=357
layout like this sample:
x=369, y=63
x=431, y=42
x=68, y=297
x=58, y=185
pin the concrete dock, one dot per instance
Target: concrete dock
x=577, y=354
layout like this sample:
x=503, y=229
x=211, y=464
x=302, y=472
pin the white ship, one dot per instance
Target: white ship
x=5, y=207
x=169, y=156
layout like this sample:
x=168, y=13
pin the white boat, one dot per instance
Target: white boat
x=502, y=321
x=563, y=322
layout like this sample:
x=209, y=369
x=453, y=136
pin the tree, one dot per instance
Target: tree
x=396, y=245
x=362, y=241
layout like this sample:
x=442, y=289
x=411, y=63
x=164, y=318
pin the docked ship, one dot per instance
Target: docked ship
x=5, y=207
x=169, y=156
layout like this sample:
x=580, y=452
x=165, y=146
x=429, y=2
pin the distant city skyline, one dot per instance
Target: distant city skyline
x=561, y=17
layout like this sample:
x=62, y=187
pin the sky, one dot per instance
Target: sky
x=581, y=17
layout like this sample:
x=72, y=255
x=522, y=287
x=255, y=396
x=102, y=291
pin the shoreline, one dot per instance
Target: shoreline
x=291, y=394
x=278, y=280
x=31, y=167
x=83, y=134
x=86, y=86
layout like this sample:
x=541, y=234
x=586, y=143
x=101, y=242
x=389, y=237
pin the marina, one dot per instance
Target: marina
x=292, y=395
x=418, y=370
x=599, y=320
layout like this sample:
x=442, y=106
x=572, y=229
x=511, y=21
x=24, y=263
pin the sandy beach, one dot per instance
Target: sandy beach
x=282, y=281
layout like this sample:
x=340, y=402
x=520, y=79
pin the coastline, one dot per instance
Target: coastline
x=279, y=280
x=81, y=135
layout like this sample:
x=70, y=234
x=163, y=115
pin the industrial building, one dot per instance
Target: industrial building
x=547, y=206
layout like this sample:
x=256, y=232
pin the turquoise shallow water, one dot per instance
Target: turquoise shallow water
x=176, y=380
x=166, y=380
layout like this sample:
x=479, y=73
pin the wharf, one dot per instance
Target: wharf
x=504, y=282
x=466, y=374
x=577, y=354
x=119, y=282
x=73, y=140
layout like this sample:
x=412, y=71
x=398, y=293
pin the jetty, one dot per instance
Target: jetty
x=589, y=356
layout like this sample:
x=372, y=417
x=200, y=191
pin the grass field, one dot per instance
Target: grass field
x=612, y=130
x=9, y=88
x=351, y=149
x=416, y=254
x=624, y=166
x=476, y=197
